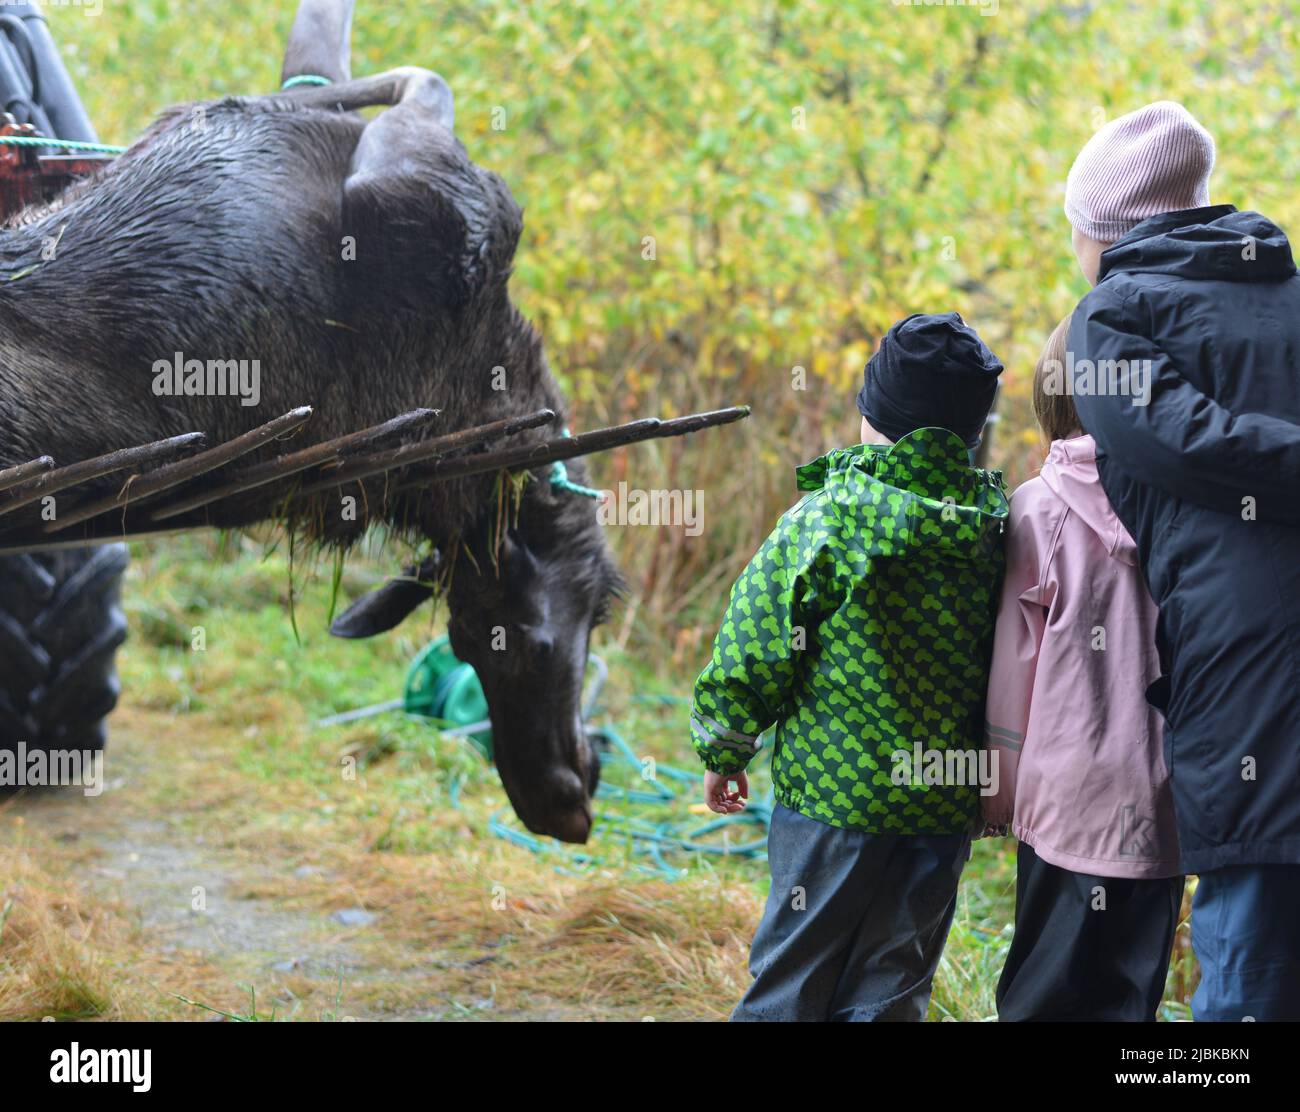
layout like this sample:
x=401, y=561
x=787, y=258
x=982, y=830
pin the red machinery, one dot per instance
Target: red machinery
x=30, y=175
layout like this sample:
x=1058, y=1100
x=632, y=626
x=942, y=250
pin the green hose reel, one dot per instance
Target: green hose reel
x=443, y=687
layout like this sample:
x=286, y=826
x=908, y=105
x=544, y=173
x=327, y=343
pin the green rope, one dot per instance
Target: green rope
x=305, y=79
x=561, y=481
x=60, y=144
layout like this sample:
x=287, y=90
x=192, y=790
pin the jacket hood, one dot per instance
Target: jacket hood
x=1070, y=472
x=919, y=493
x=1217, y=243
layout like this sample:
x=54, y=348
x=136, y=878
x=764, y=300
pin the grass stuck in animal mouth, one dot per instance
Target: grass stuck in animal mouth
x=235, y=869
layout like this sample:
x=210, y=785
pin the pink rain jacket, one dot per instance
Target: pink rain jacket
x=1080, y=760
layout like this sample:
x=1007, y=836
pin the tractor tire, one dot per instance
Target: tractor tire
x=61, y=624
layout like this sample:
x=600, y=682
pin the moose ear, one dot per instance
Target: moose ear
x=384, y=608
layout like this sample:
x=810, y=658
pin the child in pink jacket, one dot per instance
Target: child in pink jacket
x=1081, y=773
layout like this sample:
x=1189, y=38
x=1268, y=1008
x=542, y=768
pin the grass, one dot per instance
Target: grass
x=204, y=884
x=223, y=795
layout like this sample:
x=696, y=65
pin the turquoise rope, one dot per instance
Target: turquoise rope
x=561, y=481
x=61, y=144
x=105, y=148
x=653, y=845
x=305, y=79
x=658, y=842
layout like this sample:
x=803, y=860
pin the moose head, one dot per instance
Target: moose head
x=217, y=234
x=525, y=584
x=525, y=626
x=523, y=600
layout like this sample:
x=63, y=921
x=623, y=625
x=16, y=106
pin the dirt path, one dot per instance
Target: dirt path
x=187, y=894
x=283, y=908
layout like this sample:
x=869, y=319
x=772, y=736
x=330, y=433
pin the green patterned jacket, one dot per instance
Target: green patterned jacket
x=861, y=629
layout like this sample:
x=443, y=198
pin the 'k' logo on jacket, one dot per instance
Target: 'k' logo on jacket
x=862, y=629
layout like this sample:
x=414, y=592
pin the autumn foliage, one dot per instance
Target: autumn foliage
x=730, y=202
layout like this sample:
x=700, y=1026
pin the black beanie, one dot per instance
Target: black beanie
x=932, y=371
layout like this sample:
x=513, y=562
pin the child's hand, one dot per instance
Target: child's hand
x=718, y=796
x=980, y=828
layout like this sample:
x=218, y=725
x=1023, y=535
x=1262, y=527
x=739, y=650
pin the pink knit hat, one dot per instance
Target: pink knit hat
x=1157, y=159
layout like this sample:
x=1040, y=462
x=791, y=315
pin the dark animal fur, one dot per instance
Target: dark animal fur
x=220, y=235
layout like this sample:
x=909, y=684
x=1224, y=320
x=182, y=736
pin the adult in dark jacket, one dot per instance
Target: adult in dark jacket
x=1186, y=369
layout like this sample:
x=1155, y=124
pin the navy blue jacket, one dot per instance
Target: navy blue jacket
x=1206, y=477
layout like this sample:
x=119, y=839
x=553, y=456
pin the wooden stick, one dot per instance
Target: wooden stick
x=286, y=466
x=26, y=542
x=63, y=477
x=137, y=489
x=527, y=456
x=366, y=467
x=570, y=447
x=12, y=476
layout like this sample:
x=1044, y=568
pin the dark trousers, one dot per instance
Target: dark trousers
x=854, y=925
x=1087, y=947
x=1246, y=934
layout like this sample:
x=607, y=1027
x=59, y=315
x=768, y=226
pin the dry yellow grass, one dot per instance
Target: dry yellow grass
x=230, y=867
x=98, y=922
x=50, y=961
x=66, y=956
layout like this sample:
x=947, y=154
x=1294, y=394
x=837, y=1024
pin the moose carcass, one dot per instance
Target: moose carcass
x=249, y=256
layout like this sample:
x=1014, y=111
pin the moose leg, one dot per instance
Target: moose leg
x=320, y=44
x=425, y=90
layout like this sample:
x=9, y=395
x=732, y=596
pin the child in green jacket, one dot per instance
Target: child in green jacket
x=862, y=631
